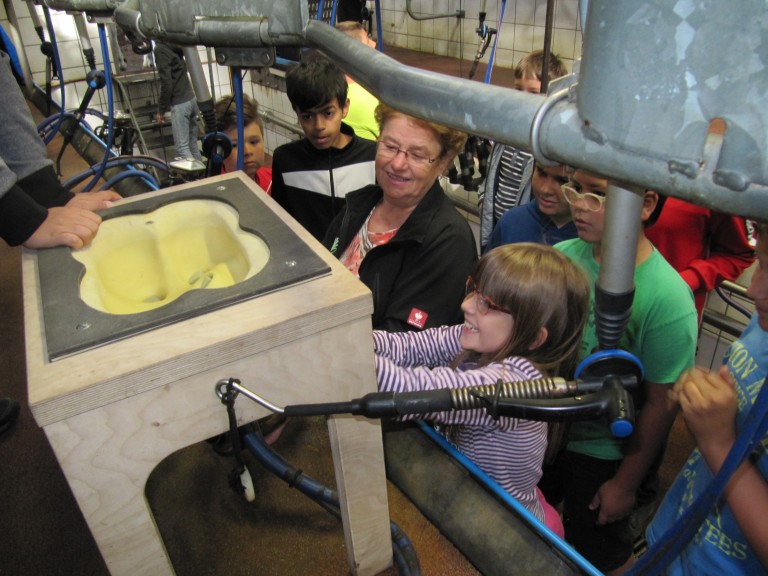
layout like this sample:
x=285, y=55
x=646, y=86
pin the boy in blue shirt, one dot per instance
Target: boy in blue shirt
x=312, y=176
x=733, y=539
x=545, y=220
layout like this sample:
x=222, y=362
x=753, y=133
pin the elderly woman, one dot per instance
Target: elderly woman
x=402, y=236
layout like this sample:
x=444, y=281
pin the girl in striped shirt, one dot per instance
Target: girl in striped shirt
x=524, y=311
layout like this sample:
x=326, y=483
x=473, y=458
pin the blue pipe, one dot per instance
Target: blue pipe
x=402, y=548
x=379, y=32
x=333, y=13
x=120, y=176
x=110, y=107
x=237, y=87
x=674, y=541
x=492, y=57
x=554, y=540
x=57, y=63
x=128, y=161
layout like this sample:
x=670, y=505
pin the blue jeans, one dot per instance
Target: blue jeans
x=184, y=125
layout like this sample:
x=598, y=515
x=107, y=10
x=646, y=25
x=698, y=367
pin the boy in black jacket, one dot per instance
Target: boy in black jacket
x=312, y=176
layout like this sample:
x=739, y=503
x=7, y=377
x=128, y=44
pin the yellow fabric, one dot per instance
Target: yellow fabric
x=360, y=115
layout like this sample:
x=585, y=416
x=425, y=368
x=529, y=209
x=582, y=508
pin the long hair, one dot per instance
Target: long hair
x=541, y=288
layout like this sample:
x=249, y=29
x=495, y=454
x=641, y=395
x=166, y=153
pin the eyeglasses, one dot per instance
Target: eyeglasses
x=593, y=202
x=482, y=302
x=389, y=150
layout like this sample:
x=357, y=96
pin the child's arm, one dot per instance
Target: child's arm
x=709, y=404
x=394, y=378
x=431, y=347
x=616, y=497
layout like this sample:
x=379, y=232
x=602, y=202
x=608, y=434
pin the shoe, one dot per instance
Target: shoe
x=9, y=412
x=272, y=426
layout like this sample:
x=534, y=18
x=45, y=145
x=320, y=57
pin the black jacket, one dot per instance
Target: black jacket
x=422, y=269
x=175, y=86
x=311, y=184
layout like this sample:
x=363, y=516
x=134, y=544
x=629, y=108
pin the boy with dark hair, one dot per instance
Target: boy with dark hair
x=546, y=219
x=598, y=476
x=312, y=176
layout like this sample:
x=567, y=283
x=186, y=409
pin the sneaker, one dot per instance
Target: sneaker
x=9, y=412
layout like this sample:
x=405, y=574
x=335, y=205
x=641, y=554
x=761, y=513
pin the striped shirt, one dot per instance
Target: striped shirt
x=509, y=450
x=508, y=185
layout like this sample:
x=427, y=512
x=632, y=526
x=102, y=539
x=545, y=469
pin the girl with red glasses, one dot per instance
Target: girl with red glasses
x=524, y=311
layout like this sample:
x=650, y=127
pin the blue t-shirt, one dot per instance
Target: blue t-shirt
x=527, y=223
x=719, y=547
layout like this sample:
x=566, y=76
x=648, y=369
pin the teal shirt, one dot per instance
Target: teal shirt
x=662, y=332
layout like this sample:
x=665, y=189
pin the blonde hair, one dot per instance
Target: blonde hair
x=541, y=288
x=451, y=141
x=351, y=28
x=226, y=113
x=532, y=65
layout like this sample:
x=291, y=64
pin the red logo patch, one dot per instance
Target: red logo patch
x=418, y=318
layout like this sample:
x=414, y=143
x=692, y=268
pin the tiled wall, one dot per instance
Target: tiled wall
x=521, y=30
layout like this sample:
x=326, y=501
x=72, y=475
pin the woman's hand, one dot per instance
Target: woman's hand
x=65, y=226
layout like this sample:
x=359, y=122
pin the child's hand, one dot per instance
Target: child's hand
x=614, y=501
x=709, y=405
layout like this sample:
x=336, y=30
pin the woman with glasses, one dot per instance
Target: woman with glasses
x=402, y=236
x=524, y=310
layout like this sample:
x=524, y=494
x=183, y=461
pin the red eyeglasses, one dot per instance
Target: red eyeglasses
x=483, y=302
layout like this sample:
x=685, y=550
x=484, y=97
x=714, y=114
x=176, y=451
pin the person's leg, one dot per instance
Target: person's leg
x=180, y=124
x=193, y=148
x=608, y=547
x=9, y=412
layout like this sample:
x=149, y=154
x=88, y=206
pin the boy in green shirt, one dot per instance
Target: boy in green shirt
x=600, y=475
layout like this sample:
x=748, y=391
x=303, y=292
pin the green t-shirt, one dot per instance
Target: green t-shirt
x=662, y=332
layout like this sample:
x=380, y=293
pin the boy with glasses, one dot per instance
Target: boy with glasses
x=312, y=176
x=598, y=477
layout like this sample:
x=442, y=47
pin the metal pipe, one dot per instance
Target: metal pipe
x=626, y=129
x=549, y=23
x=456, y=14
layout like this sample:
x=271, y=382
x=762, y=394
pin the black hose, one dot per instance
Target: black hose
x=403, y=553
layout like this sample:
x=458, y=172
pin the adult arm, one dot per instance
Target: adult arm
x=709, y=404
x=164, y=64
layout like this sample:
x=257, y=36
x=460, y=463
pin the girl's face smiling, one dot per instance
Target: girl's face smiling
x=484, y=333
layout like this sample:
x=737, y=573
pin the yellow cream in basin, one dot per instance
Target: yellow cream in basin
x=140, y=262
